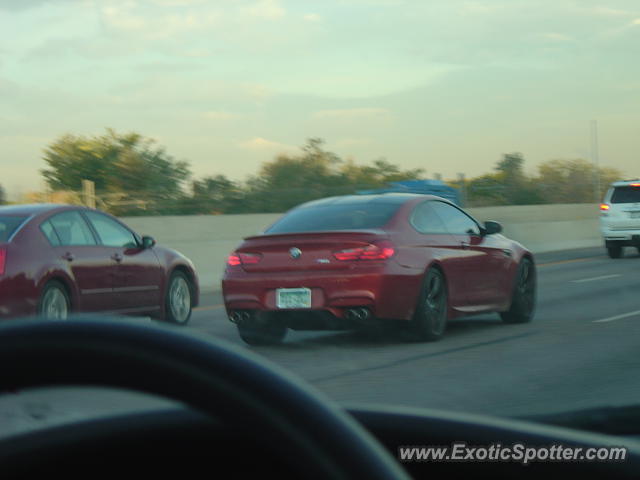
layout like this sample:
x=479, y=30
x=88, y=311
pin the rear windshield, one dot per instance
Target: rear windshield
x=626, y=195
x=335, y=217
x=8, y=225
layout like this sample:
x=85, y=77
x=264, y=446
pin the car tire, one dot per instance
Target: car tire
x=429, y=321
x=614, y=251
x=523, y=298
x=179, y=299
x=261, y=329
x=54, y=303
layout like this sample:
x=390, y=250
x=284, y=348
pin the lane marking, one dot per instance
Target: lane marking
x=562, y=262
x=617, y=317
x=210, y=307
x=593, y=279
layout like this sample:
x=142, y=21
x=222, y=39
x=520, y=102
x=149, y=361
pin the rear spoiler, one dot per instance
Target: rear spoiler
x=320, y=232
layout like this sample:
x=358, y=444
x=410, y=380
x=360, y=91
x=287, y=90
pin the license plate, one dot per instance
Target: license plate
x=634, y=214
x=293, y=298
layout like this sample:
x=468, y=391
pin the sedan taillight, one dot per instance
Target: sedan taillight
x=376, y=251
x=243, y=259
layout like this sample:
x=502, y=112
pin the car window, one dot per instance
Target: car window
x=626, y=195
x=111, y=233
x=425, y=220
x=456, y=222
x=8, y=225
x=72, y=229
x=50, y=233
x=335, y=217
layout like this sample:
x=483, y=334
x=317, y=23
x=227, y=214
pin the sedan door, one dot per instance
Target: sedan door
x=139, y=276
x=91, y=268
x=444, y=248
x=480, y=258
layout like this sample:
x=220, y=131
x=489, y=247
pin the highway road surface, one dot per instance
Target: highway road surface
x=580, y=351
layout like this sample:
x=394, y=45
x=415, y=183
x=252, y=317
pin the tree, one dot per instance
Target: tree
x=572, y=181
x=213, y=195
x=128, y=166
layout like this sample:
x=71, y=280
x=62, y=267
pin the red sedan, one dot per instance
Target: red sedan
x=57, y=259
x=350, y=261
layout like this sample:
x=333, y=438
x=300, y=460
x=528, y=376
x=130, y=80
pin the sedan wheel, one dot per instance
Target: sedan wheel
x=430, y=319
x=54, y=303
x=178, y=301
x=523, y=302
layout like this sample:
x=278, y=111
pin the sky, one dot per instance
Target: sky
x=444, y=85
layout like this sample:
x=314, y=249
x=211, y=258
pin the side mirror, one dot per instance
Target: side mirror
x=148, y=242
x=491, y=227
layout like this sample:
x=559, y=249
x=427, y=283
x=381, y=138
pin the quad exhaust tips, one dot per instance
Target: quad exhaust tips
x=239, y=316
x=358, y=314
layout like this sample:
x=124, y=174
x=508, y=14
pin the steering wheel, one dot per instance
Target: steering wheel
x=217, y=379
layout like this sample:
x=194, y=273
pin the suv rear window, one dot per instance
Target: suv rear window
x=8, y=225
x=335, y=217
x=626, y=195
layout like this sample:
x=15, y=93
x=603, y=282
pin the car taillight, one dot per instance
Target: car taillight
x=604, y=206
x=376, y=251
x=3, y=258
x=635, y=184
x=234, y=260
x=243, y=259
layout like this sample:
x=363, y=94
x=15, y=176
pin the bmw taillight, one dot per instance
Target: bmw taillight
x=3, y=259
x=243, y=259
x=375, y=251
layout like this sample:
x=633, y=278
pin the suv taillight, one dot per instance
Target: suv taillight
x=3, y=258
x=604, y=207
x=243, y=259
x=375, y=251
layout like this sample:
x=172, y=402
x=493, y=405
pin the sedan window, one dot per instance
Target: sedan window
x=111, y=233
x=425, y=220
x=72, y=229
x=457, y=222
x=50, y=233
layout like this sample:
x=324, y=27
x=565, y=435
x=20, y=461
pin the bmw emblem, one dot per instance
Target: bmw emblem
x=295, y=252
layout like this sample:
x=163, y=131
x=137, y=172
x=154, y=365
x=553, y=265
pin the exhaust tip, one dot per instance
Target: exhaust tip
x=360, y=313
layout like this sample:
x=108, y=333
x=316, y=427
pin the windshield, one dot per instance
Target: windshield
x=186, y=135
x=626, y=195
x=335, y=217
x=8, y=225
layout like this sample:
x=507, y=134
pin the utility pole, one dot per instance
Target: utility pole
x=595, y=160
x=89, y=193
x=463, y=189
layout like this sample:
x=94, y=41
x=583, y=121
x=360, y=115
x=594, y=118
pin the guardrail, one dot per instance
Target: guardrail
x=208, y=239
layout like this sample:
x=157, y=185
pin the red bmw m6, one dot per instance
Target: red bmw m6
x=355, y=261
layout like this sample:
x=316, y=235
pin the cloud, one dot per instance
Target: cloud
x=267, y=9
x=312, y=17
x=636, y=21
x=259, y=143
x=130, y=18
x=219, y=115
x=351, y=113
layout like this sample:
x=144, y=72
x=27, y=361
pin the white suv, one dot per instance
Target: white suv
x=620, y=217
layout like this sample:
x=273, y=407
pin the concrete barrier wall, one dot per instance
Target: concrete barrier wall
x=208, y=239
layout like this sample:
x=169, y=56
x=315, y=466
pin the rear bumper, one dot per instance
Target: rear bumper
x=13, y=302
x=389, y=292
x=621, y=237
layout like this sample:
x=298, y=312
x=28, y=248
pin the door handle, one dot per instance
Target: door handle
x=117, y=257
x=69, y=257
x=465, y=245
